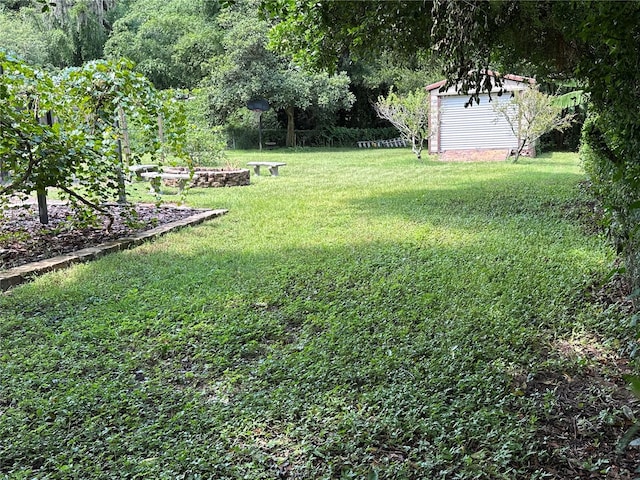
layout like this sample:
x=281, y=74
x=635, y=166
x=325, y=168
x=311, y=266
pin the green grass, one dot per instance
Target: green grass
x=362, y=314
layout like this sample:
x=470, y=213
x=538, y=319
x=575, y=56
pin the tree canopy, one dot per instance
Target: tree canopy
x=248, y=70
x=170, y=41
x=409, y=114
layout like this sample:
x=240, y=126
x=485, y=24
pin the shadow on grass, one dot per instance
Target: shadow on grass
x=319, y=361
x=495, y=199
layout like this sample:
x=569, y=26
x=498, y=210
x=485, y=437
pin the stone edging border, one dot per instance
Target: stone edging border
x=17, y=275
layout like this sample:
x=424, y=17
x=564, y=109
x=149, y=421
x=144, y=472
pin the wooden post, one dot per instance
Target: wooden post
x=161, y=137
x=124, y=131
x=122, y=193
x=260, y=129
x=41, y=192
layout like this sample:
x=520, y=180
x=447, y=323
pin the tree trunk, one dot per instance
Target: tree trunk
x=416, y=146
x=124, y=133
x=42, y=206
x=291, y=134
x=519, y=151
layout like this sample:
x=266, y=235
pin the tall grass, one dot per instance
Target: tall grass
x=362, y=315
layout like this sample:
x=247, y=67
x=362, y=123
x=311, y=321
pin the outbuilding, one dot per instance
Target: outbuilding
x=455, y=127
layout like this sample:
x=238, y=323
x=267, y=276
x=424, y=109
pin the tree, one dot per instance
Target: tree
x=320, y=34
x=531, y=114
x=86, y=23
x=20, y=36
x=248, y=70
x=373, y=77
x=62, y=33
x=26, y=33
x=63, y=132
x=409, y=114
x=170, y=41
x=594, y=42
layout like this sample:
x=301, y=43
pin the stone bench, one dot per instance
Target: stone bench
x=138, y=170
x=273, y=167
x=156, y=177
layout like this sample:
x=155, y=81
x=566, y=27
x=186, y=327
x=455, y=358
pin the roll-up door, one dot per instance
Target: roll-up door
x=475, y=127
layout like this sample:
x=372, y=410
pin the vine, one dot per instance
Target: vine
x=64, y=131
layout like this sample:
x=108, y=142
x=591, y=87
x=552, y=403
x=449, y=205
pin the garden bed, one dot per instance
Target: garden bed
x=23, y=239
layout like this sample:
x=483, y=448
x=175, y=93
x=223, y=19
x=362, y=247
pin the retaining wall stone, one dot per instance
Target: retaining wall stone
x=211, y=177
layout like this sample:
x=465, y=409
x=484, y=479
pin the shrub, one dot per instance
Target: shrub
x=205, y=143
x=615, y=179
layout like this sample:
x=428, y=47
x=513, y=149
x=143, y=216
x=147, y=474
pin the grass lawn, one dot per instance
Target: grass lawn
x=363, y=315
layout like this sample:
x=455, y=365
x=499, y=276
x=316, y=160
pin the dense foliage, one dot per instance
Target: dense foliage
x=171, y=42
x=245, y=138
x=248, y=70
x=221, y=46
x=65, y=132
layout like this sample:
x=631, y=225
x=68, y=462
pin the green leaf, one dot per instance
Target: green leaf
x=634, y=383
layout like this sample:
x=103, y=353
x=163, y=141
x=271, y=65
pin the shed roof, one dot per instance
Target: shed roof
x=515, y=78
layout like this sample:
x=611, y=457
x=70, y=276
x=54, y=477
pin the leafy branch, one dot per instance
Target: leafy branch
x=77, y=140
x=530, y=114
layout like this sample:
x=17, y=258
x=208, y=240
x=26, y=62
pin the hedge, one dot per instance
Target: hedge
x=244, y=138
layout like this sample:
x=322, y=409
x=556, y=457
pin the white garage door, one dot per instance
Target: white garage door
x=474, y=127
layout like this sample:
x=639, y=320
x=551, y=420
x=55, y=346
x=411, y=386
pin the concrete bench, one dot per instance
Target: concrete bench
x=273, y=167
x=156, y=177
x=138, y=170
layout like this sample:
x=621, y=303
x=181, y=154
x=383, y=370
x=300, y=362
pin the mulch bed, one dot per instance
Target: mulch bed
x=23, y=239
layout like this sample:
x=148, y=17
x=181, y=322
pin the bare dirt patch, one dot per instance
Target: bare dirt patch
x=592, y=424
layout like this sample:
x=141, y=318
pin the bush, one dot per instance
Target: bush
x=205, y=144
x=349, y=137
x=568, y=140
x=615, y=180
x=248, y=138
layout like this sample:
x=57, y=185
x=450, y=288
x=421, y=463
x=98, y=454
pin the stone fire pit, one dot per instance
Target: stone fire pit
x=211, y=177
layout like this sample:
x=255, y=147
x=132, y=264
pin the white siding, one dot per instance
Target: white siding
x=475, y=127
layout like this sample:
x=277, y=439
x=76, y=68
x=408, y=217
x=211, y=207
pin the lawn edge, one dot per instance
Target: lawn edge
x=24, y=273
